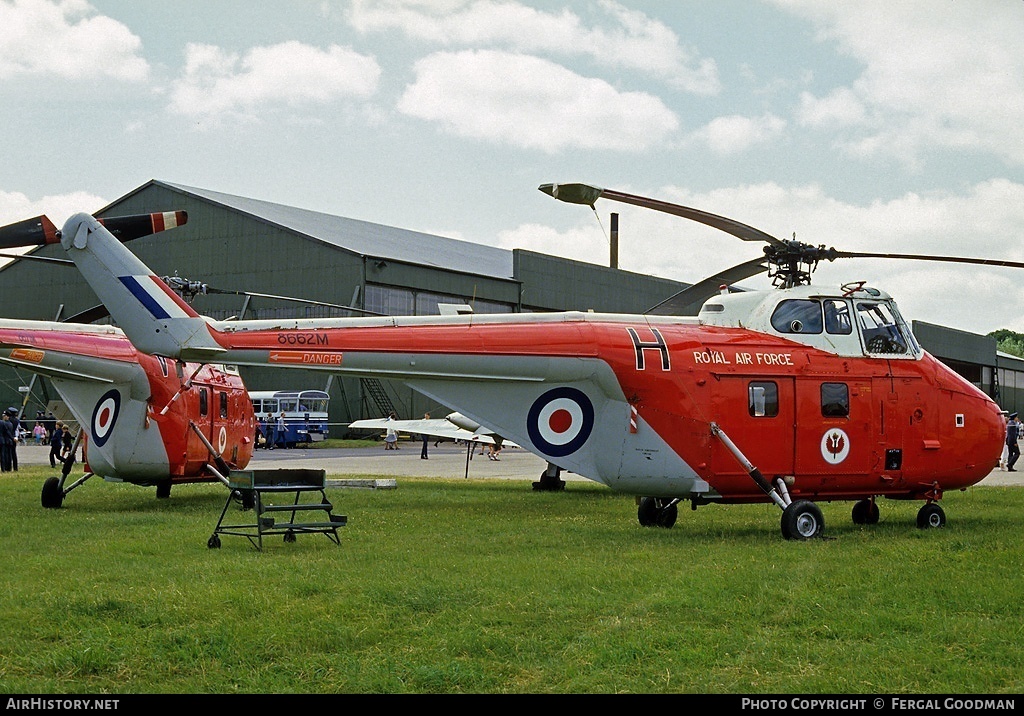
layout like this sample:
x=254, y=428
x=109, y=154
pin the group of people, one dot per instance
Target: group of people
x=46, y=430
x=271, y=433
x=391, y=440
x=1011, y=451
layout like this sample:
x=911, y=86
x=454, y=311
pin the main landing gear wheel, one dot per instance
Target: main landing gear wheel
x=53, y=495
x=865, y=512
x=802, y=520
x=931, y=515
x=654, y=511
x=549, y=483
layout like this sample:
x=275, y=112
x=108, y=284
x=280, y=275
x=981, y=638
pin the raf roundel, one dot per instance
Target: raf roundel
x=560, y=421
x=104, y=416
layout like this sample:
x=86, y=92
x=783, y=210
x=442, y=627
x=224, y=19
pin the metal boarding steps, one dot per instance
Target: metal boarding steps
x=279, y=492
x=373, y=387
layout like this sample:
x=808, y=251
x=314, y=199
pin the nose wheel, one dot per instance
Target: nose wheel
x=802, y=520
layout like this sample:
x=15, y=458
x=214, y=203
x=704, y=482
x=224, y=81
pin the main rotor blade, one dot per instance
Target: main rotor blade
x=311, y=302
x=89, y=315
x=835, y=253
x=587, y=194
x=688, y=301
x=40, y=231
x=32, y=257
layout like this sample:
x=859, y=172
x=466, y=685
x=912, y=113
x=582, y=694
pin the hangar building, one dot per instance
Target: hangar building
x=233, y=243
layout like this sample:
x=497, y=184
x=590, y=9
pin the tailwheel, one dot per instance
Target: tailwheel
x=655, y=511
x=213, y=542
x=931, y=515
x=802, y=520
x=53, y=495
x=865, y=512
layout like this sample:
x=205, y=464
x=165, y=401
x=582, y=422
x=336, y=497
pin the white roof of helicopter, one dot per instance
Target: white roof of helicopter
x=754, y=309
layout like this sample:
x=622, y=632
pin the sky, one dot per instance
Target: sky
x=865, y=126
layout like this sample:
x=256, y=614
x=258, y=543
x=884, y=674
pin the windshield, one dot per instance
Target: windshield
x=883, y=329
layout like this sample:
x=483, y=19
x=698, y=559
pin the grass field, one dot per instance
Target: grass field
x=476, y=586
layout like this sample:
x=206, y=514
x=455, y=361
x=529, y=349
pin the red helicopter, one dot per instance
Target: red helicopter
x=146, y=419
x=792, y=396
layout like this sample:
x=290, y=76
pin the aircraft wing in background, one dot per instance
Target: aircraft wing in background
x=453, y=427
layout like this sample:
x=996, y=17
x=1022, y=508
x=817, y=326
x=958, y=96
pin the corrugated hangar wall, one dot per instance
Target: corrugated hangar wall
x=229, y=248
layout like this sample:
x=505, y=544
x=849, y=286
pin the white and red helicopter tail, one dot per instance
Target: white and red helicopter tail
x=154, y=316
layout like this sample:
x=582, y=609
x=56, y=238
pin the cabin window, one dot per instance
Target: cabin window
x=837, y=317
x=835, y=400
x=797, y=316
x=763, y=399
x=223, y=404
x=880, y=329
x=204, y=402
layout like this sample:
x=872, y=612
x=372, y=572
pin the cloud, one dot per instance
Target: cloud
x=631, y=40
x=529, y=102
x=289, y=74
x=66, y=39
x=735, y=133
x=948, y=75
x=982, y=222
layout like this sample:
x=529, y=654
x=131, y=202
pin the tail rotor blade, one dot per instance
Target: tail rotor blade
x=30, y=232
x=40, y=231
x=126, y=228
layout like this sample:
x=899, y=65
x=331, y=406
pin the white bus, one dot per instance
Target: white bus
x=305, y=415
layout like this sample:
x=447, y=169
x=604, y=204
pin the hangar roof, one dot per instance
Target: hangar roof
x=369, y=239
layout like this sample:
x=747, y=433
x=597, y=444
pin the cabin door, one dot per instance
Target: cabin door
x=837, y=428
x=757, y=414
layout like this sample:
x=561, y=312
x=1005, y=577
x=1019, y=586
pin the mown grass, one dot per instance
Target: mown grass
x=476, y=586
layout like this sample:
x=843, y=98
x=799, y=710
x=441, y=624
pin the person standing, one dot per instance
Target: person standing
x=391, y=436
x=424, y=437
x=6, y=443
x=67, y=445
x=1012, y=436
x=271, y=431
x=16, y=426
x=282, y=431
x=496, y=448
x=56, y=443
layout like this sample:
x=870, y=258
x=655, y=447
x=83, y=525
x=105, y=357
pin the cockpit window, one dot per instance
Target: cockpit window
x=797, y=316
x=881, y=329
x=837, y=317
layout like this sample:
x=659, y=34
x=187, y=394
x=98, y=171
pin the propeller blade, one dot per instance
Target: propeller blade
x=587, y=194
x=30, y=232
x=688, y=301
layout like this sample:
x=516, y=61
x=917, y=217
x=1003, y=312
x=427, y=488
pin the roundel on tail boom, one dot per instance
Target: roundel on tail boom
x=104, y=417
x=560, y=421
